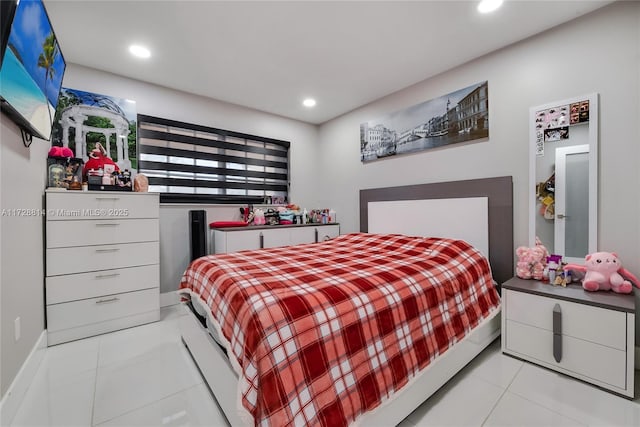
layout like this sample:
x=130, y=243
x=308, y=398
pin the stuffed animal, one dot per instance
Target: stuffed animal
x=523, y=266
x=603, y=271
x=258, y=217
x=539, y=256
x=531, y=261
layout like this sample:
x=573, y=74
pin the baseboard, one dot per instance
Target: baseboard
x=169, y=298
x=13, y=397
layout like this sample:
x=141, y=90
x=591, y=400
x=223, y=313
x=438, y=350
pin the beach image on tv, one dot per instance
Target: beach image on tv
x=32, y=67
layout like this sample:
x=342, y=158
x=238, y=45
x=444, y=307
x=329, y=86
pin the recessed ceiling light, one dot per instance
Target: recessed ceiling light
x=486, y=6
x=139, y=51
x=309, y=102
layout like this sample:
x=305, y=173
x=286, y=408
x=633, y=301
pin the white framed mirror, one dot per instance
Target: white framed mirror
x=563, y=176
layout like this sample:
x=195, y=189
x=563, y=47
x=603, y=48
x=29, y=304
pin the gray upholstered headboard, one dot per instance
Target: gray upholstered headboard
x=499, y=194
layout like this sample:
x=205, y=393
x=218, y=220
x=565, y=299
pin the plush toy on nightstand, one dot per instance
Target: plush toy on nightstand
x=531, y=261
x=603, y=272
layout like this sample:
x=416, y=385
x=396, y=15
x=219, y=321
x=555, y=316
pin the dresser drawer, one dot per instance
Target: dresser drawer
x=298, y=236
x=326, y=232
x=95, y=310
x=233, y=240
x=80, y=259
x=606, y=327
x=101, y=232
x=584, y=358
x=72, y=287
x=311, y=234
x=100, y=205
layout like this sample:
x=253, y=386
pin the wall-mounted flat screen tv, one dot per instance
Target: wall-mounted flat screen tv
x=7, y=9
x=32, y=70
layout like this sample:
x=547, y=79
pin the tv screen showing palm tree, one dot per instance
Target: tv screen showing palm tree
x=32, y=70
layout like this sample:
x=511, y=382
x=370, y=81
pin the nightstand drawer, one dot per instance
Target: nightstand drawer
x=72, y=287
x=82, y=259
x=62, y=234
x=587, y=359
x=606, y=327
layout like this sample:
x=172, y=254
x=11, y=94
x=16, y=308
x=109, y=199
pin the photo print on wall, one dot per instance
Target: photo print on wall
x=86, y=121
x=457, y=117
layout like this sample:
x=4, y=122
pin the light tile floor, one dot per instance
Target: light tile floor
x=145, y=377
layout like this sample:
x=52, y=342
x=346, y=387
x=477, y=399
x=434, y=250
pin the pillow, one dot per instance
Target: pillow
x=227, y=224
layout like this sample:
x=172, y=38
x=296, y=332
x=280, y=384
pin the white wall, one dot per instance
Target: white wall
x=23, y=176
x=174, y=238
x=22, y=181
x=167, y=103
x=596, y=53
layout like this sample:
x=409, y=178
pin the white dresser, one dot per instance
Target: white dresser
x=259, y=237
x=102, y=262
x=587, y=335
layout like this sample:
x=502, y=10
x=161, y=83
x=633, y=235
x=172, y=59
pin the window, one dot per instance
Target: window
x=189, y=163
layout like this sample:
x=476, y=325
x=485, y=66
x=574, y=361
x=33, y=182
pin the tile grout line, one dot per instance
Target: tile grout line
x=144, y=406
x=540, y=404
x=95, y=381
x=582, y=423
x=176, y=392
x=502, y=395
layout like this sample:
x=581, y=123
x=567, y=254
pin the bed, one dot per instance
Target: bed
x=359, y=330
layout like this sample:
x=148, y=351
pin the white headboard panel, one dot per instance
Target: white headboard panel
x=464, y=218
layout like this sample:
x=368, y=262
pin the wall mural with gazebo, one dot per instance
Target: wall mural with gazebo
x=85, y=121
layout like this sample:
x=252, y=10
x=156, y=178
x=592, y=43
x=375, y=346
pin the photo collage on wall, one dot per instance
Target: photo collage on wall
x=553, y=124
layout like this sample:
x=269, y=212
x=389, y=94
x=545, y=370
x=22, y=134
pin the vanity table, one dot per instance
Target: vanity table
x=587, y=335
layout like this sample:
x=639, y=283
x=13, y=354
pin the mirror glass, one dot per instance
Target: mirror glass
x=564, y=176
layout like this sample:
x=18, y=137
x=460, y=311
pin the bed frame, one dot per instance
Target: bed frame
x=480, y=203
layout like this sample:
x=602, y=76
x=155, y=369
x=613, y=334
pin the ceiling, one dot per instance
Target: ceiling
x=270, y=55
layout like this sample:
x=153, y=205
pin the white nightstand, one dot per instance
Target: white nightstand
x=587, y=335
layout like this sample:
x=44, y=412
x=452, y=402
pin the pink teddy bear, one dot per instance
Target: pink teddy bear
x=523, y=267
x=531, y=262
x=603, y=271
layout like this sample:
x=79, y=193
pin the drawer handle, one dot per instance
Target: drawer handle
x=104, y=301
x=557, y=333
x=108, y=250
x=107, y=198
x=104, y=276
x=107, y=224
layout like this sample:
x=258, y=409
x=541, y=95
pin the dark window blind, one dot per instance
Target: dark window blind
x=188, y=163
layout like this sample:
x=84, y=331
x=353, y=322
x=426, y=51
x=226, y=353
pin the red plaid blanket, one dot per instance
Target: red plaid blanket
x=323, y=332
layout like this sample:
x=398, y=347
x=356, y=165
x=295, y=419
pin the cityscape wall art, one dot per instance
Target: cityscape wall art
x=456, y=117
